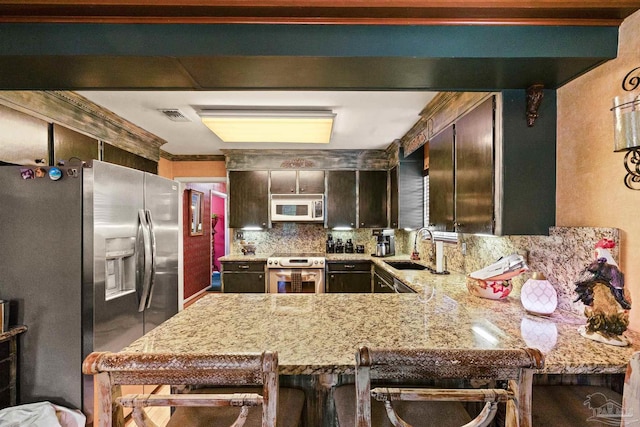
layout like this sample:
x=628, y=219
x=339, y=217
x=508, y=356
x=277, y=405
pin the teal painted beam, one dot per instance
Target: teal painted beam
x=180, y=40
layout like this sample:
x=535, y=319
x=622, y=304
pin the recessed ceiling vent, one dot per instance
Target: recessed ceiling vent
x=175, y=115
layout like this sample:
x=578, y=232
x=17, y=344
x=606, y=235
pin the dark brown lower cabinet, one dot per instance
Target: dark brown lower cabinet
x=243, y=277
x=8, y=366
x=349, y=277
x=382, y=282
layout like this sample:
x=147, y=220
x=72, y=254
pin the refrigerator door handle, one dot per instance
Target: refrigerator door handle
x=152, y=234
x=146, y=278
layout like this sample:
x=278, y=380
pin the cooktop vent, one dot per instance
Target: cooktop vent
x=175, y=115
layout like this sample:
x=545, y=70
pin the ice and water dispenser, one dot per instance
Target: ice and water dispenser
x=120, y=268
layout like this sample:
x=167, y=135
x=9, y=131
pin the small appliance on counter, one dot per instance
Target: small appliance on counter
x=348, y=247
x=248, y=248
x=359, y=249
x=385, y=243
x=331, y=246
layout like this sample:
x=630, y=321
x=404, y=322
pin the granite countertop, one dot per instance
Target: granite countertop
x=319, y=333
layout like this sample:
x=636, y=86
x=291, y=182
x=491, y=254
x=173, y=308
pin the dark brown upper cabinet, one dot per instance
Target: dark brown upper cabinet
x=297, y=182
x=248, y=199
x=441, y=180
x=372, y=200
x=69, y=145
x=341, y=199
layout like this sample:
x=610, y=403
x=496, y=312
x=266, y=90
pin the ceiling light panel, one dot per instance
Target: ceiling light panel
x=274, y=126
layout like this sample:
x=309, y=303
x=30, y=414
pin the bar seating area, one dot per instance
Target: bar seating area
x=232, y=403
x=403, y=405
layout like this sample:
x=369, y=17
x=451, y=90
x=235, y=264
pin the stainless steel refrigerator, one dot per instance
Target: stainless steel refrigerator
x=89, y=262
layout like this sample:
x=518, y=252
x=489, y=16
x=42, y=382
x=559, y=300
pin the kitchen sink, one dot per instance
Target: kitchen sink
x=406, y=265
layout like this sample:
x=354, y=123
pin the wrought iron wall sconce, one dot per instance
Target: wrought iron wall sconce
x=626, y=115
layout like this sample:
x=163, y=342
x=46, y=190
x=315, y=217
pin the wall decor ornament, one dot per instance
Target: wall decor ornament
x=626, y=119
x=535, y=93
x=601, y=289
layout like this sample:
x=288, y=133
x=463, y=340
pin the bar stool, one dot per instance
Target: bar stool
x=230, y=401
x=573, y=405
x=359, y=405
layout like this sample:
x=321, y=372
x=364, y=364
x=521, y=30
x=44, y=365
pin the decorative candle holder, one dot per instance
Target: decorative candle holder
x=538, y=296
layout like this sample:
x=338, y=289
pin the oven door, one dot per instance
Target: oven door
x=296, y=280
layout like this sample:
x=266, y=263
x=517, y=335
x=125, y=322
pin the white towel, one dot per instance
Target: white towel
x=296, y=281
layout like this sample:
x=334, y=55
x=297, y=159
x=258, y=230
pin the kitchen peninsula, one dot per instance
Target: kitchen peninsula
x=316, y=335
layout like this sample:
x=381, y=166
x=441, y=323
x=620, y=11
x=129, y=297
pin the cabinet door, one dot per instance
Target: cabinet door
x=311, y=182
x=475, y=170
x=357, y=282
x=341, y=199
x=394, y=197
x=372, y=201
x=248, y=199
x=380, y=286
x=441, y=180
x=68, y=144
x=118, y=156
x=407, y=191
x=24, y=140
x=243, y=283
x=283, y=182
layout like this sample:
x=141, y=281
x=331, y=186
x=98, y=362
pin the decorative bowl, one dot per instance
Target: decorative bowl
x=490, y=289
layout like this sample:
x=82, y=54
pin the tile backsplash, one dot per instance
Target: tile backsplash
x=561, y=256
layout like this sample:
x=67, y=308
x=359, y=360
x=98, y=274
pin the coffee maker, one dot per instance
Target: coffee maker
x=385, y=242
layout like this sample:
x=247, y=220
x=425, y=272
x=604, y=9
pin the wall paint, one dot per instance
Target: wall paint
x=197, y=249
x=209, y=169
x=590, y=188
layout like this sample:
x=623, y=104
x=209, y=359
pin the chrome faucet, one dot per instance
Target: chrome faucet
x=415, y=254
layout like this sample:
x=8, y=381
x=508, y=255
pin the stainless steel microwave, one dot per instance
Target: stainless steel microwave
x=297, y=207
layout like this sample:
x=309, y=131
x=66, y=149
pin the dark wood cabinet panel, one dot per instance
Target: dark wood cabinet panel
x=248, y=199
x=407, y=191
x=283, y=182
x=71, y=145
x=382, y=282
x=349, y=277
x=24, y=140
x=118, y=156
x=441, y=180
x=311, y=182
x=8, y=366
x=372, y=200
x=297, y=182
x=341, y=199
x=243, y=277
x=474, y=170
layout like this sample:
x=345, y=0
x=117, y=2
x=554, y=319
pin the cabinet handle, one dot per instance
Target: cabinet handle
x=302, y=190
x=333, y=276
x=293, y=190
x=352, y=224
x=260, y=276
x=349, y=266
x=362, y=223
x=243, y=267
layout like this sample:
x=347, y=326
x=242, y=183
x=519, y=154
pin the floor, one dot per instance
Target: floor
x=160, y=416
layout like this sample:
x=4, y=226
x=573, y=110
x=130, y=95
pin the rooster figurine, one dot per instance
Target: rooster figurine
x=601, y=289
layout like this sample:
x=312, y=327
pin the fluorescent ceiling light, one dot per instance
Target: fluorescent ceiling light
x=299, y=126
